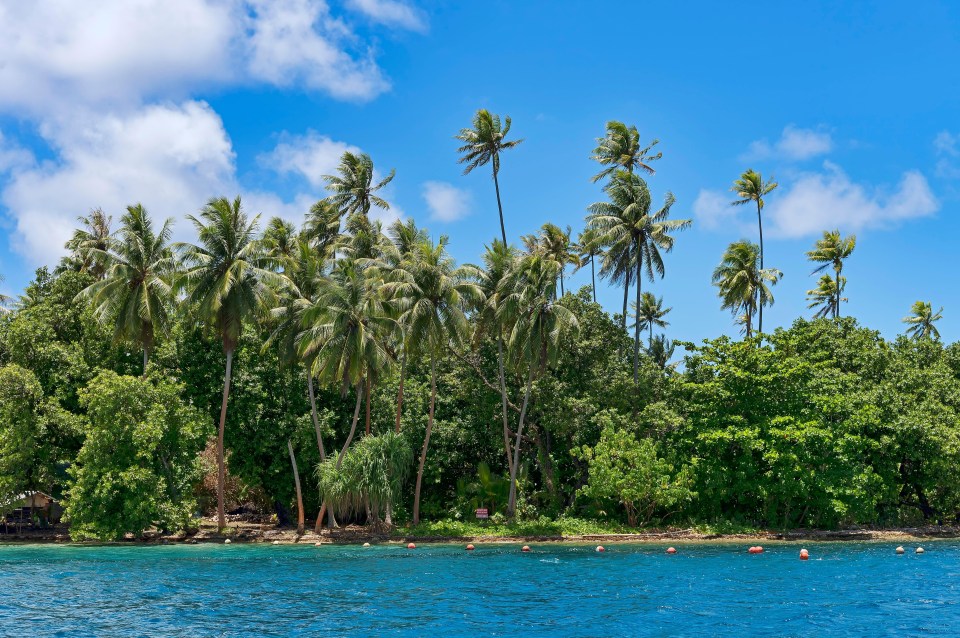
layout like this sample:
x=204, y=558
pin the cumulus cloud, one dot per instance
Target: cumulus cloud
x=12, y=155
x=446, y=202
x=947, y=147
x=827, y=199
x=171, y=158
x=58, y=53
x=391, y=13
x=794, y=144
x=310, y=156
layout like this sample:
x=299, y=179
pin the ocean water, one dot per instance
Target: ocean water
x=442, y=591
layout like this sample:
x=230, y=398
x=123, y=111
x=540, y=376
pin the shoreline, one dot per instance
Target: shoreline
x=357, y=536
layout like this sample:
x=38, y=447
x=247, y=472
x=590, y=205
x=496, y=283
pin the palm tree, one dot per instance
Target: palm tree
x=743, y=285
x=482, y=145
x=498, y=262
x=433, y=294
x=228, y=281
x=634, y=234
x=587, y=248
x=661, y=351
x=620, y=149
x=321, y=228
x=554, y=243
x=280, y=241
x=91, y=243
x=538, y=324
x=750, y=187
x=826, y=296
x=650, y=313
x=136, y=290
x=832, y=249
x=4, y=299
x=353, y=189
x=405, y=237
x=921, y=321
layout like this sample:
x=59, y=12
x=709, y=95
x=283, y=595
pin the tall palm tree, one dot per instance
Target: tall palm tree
x=750, y=187
x=743, y=285
x=433, y=294
x=635, y=234
x=136, y=290
x=538, y=325
x=661, y=351
x=228, y=281
x=826, y=297
x=321, y=228
x=832, y=249
x=499, y=260
x=90, y=244
x=620, y=149
x=587, y=248
x=650, y=313
x=482, y=144
x=921, y=320
x=352, y=191
x=280, y=241
x=554, y=243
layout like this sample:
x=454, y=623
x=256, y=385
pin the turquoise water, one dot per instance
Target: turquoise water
x=443, y=591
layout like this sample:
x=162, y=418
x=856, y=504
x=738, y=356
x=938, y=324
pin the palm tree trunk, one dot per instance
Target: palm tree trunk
x=512, y=501
x=353, y=426
x=496, y=185
x=760, y=224
x=636, y=327
x=403, y=374
x=593, y=278
x=836, y=308
x=626, y=293
x=368, y=393
x=146, y=358
x=650, y=344
x=332, y=522
x=221, y=466
x=296, y=480
x=561, y=283
x=426, y=439
x=503, y=397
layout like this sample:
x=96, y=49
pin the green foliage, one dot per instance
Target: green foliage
x=139, y=459
x=21, y=435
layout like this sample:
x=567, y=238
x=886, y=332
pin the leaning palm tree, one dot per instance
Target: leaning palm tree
x=433, y=294
x=228, y=280
x=649, y=313
x=636, y=234
x=352, y=191
x=921, y=320
x=482, y=145
x=831, y=250
x=826, y=297
x=554, y=243
x=620, y=149
x=743, y=285
x=750, y=187
x=136, y=290
x=91, y=243
x=538, y=325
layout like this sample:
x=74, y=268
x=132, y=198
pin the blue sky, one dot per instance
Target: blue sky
x=854, y=108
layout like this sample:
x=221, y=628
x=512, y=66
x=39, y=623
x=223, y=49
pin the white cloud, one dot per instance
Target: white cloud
x=12, y=155
x=171, y=158
x=828, y=199
x=794, y=144
x=297, y=42
x=310, y=156
x=391, y=13
x=60, y=53
x=446, y=202
x=947, y=147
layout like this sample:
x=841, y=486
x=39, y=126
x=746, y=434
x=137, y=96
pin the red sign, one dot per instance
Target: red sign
x=482, y=512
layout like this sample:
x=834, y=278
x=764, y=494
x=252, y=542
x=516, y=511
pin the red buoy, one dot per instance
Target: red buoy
x=600, y=548
x=804, y=554
x=671, y=550
x=470, y=547
x=525, y=548
x=756, y=549
x=411, y=546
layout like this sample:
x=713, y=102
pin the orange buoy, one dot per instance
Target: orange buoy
x=470, y=547
x=755, y=550
x=600, y=548
x=804, y=554
x=411, y=546
x=671, y=550
x=525, y=548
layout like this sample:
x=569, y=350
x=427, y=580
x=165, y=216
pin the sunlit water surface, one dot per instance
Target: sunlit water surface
x=442, y=591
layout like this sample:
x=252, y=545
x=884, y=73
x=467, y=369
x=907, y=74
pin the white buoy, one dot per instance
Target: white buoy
x=276, y=542
x=226, y=542
x=900, y=550
x=366, y=544
x=919, y=550
x=317, y=544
